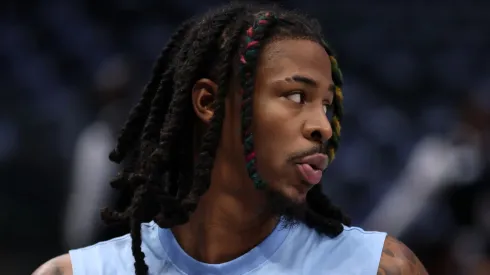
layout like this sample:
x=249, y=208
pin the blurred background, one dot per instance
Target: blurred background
x=415, y=156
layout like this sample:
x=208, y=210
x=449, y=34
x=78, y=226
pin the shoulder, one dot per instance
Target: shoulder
x=354, y=251
x=350, y=242
x=60, y=265
x=115, y=256
x=361, y=239
x=108, y=257
x=397, y=258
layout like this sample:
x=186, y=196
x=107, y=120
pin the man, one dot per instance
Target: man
x=253, y=203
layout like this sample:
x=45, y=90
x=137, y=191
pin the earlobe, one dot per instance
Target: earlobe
x=203, y=98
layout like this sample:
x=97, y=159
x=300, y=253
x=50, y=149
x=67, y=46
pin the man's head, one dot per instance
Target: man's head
x=292, y=94
x=241, y=93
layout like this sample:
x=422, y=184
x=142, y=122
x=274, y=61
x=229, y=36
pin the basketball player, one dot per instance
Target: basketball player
x=224, y=154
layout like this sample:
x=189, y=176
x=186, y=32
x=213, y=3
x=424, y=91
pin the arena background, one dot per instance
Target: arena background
x=416, y=139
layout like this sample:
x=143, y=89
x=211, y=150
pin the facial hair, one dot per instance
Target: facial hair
x=292, y=213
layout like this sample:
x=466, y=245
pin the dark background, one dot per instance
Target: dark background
x=414, y=157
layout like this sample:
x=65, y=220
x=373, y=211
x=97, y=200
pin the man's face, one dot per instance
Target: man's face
x=293, y=89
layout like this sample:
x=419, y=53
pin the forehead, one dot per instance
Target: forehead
x=282, y=58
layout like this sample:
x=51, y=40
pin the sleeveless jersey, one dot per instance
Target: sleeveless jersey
x=287, y=251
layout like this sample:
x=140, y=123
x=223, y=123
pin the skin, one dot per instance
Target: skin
x=232, y=210
x=398, y=259
x=60, y=265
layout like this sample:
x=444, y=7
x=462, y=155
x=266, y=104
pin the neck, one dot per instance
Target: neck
x=222, y=219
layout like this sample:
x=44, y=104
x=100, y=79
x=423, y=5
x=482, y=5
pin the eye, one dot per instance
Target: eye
x=297, y=96
x=328, y=108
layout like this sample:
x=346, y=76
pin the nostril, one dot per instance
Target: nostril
x=316, y=135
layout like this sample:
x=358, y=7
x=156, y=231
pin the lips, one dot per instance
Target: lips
x=311, y=167
x=317, y=161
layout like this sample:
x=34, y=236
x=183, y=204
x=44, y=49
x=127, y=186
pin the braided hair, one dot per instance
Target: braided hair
x=217, y=45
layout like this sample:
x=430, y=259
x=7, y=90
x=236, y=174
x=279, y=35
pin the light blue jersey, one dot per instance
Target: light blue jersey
x=287, y=251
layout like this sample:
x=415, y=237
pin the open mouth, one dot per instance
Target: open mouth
x=309, y=174
x=316, y=161
x=311, y=167
x=315, y=167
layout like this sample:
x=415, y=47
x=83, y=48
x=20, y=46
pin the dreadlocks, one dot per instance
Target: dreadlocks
x=218, y=45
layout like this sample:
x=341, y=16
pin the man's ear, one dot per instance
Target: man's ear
x=203, y=97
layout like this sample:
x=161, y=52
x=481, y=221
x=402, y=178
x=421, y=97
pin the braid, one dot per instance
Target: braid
x=322, y=215
x=137, y=117
x=337, y=105
x=137, y=209
x=155, y=171
x=204, y=166
x=248, y=60
x=175, y=124
x=186, y=66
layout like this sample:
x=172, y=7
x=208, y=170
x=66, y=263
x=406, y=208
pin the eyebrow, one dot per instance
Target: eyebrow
x=303, y=79
x=308, y=81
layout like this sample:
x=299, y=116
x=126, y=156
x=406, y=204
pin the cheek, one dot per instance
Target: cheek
x=272, y=139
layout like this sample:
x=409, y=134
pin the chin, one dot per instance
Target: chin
x=297, y=191
x=296, y=195
x=289, y=202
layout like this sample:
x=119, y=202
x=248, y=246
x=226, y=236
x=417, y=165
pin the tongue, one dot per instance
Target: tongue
x=311, y=175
